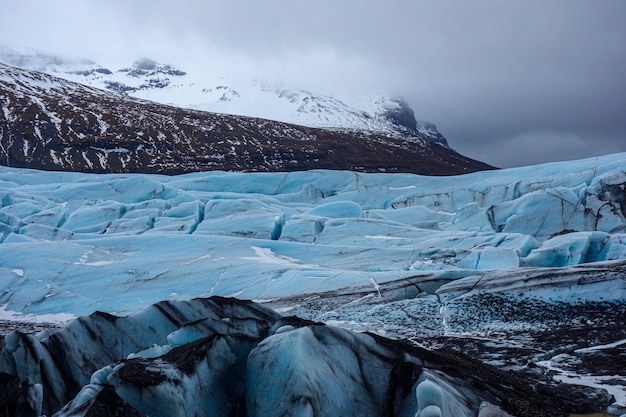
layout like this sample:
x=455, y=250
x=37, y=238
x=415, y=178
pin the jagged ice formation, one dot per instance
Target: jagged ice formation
x=521, y=268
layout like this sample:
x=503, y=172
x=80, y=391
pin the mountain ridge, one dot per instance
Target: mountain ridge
x=167, y=84
x=55, y=124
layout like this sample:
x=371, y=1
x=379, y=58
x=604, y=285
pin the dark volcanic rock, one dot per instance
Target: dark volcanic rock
x=105, y=404
x=10, y=390
x=228, y=357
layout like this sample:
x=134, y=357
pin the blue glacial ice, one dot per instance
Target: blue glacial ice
x=75, y=243
x=406, y=256
x=250, y=361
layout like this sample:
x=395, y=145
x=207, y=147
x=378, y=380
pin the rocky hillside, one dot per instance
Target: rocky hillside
x=54, y=124
x=201, y=89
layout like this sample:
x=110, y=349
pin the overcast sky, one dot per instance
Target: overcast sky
x=507, y=82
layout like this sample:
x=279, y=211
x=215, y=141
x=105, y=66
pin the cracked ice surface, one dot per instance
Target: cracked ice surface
x=511, y=267
x=74, y=243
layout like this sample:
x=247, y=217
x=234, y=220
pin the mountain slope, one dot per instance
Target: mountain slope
x=166, y=84
x=51, y=123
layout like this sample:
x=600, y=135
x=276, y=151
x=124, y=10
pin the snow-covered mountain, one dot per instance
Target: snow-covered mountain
x=408, y=292
x=51, y=123
x=166, y=84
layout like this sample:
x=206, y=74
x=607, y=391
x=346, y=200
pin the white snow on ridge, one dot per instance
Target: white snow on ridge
x=601, y=347
x=202, y=90
x=596, y=381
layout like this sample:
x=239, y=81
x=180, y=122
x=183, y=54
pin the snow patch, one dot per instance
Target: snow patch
x=6, y=314
x=266, y=255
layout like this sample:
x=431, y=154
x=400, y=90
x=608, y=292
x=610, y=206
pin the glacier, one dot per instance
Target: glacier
x=373, y=278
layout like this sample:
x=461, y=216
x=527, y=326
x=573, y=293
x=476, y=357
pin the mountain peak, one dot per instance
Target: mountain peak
x=51, y=123
x=146, y=67
x=165, y=83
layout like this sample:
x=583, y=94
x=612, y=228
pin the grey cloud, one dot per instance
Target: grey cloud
x=494, y=76
x=535, y=147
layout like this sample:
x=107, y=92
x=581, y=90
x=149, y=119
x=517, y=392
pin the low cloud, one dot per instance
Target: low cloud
x=537, y=147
